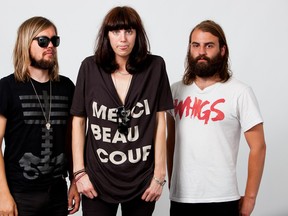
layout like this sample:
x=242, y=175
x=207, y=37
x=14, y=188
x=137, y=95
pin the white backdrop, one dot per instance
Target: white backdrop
x=257, y=34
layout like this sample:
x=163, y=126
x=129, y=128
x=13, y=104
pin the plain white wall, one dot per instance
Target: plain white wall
x=257, y=34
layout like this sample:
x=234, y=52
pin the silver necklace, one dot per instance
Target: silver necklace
x=47, y=120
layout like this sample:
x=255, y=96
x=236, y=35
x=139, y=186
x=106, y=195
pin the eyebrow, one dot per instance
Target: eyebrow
x=204, y=43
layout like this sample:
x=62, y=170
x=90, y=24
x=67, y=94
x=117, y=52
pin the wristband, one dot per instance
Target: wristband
x=79, y=171
x=80, y=176
x=162, y=183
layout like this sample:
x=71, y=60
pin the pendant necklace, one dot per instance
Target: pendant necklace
x=47, y=120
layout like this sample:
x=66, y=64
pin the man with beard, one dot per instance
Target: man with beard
x=211, y=108
x=34, y=121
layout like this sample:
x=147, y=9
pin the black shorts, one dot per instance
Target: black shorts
x=205, y=209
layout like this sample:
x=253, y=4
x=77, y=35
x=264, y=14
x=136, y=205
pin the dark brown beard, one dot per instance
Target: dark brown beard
x=206, y=69
x=42, y=64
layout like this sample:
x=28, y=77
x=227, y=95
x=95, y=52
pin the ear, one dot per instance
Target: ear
x=223, y=50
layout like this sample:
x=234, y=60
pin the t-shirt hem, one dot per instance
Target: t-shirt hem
x=208, y=200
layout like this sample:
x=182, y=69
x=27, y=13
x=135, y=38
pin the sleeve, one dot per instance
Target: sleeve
x=173, y=90
x=71, y=91
x=164, y=90
x=5, y=95
x=248, y=110
x=78, y=102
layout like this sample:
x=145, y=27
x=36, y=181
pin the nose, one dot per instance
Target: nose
x=123, y=35
x=202, y=50
x=50, y=44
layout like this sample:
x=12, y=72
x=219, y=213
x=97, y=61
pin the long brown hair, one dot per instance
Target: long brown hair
x=28, y=30
x=121, y=18
x=216, y=30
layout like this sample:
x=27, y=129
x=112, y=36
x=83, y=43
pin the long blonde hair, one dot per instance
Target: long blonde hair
x=28, y=30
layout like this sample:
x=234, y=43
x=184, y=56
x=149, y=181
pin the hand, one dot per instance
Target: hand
x=246, y=206
x=153, y=192
x=73, y=198
x=84, y=186
x=7, y=206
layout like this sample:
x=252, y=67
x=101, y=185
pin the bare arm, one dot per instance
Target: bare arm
x=160, y=147
x=257, y=145
x=7, y=203
x=78, y=142
x=170, y=144
x=73, y=195
x=154, y=191
x=83, y=184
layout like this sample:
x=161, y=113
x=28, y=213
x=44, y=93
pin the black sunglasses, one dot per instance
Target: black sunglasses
x=43, y=41
x=123, y=115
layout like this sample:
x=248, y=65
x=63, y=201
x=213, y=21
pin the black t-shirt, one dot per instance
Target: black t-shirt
x=35, y=156
x=119, y=166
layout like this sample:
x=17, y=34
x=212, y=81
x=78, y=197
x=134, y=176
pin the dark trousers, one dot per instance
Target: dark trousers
x=205, y=209
x=52, y=201
x=135, y=207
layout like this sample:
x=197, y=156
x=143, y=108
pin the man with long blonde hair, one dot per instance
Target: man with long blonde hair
x=34, y=122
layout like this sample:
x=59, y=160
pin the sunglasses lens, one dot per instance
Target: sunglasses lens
x=55, y=41
x=43, y=41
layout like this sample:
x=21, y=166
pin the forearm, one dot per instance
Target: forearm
x=255, y=171
x=256, y=142
x=160, y=147
x=7, y=203
x=78, y=142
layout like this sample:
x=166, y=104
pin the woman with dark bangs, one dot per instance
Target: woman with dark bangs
x=119, y=138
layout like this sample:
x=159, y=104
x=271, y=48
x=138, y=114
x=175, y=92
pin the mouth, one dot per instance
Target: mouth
x=202, y=60
x=123, y=47
x=48, y=52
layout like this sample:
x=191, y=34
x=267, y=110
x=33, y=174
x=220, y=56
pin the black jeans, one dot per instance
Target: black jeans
x=53, y=201
x=135, y=207
x=205, y=209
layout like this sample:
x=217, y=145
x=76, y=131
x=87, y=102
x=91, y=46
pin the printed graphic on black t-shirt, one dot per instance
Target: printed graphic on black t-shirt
x=120, y=162
x=108, y=135
x=45, y=163
x=34, y=154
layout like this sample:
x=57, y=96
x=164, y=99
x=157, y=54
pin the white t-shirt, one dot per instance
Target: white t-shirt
x=208, y=127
